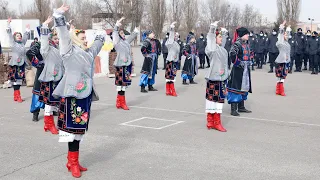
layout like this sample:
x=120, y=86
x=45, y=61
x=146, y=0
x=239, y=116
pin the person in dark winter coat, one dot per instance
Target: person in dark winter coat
x=300, y=49
x=165, y=51
x=260, y=47
x=252, y=44
x=265, y=57
x=159, y=49
x=292, y=43
x=313, y=47
x=190, y=67
x=306, y=56
x=272, y=48
x=227, y=46
x=181, y=49
x=201, y=45
x=239, y=84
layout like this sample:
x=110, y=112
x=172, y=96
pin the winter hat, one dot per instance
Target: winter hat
x=242, y=31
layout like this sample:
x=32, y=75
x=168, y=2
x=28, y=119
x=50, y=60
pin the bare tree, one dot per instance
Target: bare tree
x=176, y=10
x=191, y=13
x=5, y=12
x=289, y=10
x=157, y=13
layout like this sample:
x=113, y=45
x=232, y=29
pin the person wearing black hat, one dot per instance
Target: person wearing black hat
x=165, y=51
x=272, y=49
x=252, y=43
x=201, y=45
x=300, y=49
x=260, y=45
x=149, y=67
x=190, y=67
x=239, y=84
x=292, y=43
x=313, y=47
x=306, y=56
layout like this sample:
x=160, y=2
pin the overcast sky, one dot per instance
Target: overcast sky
x=268, y=8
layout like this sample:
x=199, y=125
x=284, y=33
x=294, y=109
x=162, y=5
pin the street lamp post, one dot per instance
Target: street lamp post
x=310, y=19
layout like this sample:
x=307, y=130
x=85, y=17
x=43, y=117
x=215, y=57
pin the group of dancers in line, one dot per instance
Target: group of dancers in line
x=65, y=69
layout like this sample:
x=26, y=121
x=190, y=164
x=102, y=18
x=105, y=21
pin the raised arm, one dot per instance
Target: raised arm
x=115, y=34
x=9, y=33
x=211, y=38
x=133, y=35
x=62, y=30
x=281, y=34
x=170, y=40
x=97, y=45
x=26, y=34
x=224, y=36
x=44, y=39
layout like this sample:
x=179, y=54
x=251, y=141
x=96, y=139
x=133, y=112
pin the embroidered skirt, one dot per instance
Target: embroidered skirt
x=216, y=91
x=16, y=73
x=74, y=114
x=123, y=75
x=281, y=70
x=171, y=70
x=46, y=90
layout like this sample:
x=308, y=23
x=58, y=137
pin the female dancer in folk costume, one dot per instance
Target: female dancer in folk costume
x=216, y=76
x=239, y=84
x=149, y=50
x=18, y=60
x=172, y=61
x=283, y=60
x=76, y=87
x=123, y=62
x=190, y=67
x=51, y=74
x=36, y=60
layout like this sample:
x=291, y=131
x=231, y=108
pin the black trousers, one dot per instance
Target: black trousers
x=272, y=58
x=165, y=56
x=314, y=60
x=208, y=60
x=291, y=62
x=202, y=58
x=305, y=60
x=298, y=61
x=260, y=59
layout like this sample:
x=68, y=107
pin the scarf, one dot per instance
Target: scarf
x=76, y=41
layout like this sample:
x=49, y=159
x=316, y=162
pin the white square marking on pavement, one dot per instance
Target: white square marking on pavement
x=173, y=122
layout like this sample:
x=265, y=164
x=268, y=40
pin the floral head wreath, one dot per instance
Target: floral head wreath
x=53, y=33
x=78, y=31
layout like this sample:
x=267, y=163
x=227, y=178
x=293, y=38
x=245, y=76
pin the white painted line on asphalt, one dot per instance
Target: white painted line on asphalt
x=158, y=119
x=235, y=117
x=178, y=122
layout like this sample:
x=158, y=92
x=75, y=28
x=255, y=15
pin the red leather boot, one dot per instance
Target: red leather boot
x=118, y=105
x=173, y=90
x=123, y=103
x=282, y=90
x=278, y=89
x=217, y=123
x=49, y=124
x=69, y=164
x=210, y=121
x=73, y=164
x=19, y=99
x=168, y=92
x=15, y=97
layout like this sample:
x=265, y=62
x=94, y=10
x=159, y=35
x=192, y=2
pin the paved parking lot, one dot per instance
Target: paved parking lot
x=166, y=137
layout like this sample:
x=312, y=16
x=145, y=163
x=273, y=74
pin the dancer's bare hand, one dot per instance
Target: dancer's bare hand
x=64, y=8
x=49, y=20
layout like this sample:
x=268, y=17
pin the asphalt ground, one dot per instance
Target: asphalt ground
x=166, y=137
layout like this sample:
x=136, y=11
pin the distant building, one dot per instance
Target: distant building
x=19, y=25
x=305, y=26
